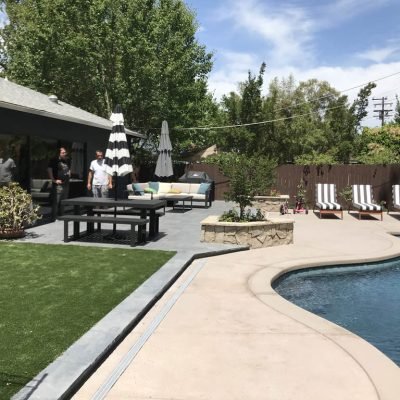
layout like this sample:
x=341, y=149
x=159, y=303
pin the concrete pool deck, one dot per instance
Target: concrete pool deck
x=221, y=332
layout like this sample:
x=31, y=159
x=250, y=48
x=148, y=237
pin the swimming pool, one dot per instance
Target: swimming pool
x=363, y=298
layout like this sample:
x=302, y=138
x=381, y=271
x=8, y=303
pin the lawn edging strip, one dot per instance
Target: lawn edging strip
x=65, y=375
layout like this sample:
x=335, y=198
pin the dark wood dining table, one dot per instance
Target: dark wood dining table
x=147, y=209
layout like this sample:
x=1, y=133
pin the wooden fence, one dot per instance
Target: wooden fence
x=381, y=177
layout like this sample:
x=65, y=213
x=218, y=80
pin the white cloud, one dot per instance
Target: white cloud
x=379, y=55
x=3, y=19
x=345, y=9
x=287, y=30
x=236, y=67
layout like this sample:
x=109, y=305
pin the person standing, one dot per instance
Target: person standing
x=99, y=182
x=7, y=170
x=59, y=173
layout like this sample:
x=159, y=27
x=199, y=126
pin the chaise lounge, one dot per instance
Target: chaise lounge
x=396, y=197
x=363, y=201
x=326, y=201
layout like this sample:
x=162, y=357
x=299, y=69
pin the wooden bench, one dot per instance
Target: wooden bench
x=133, y=222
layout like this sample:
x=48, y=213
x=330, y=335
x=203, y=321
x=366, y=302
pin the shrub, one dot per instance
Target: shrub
x=233, y=216
x=16, y=208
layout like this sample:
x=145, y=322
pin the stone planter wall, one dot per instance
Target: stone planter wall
x=270, y=203
x=274, y=232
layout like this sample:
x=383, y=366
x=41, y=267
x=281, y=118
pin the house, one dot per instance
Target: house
x=33, y=126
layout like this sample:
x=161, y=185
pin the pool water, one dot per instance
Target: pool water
x=364, y=299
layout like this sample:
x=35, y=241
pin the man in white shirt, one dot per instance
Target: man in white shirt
x=98, y=180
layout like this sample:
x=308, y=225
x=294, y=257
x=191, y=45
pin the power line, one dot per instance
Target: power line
x=280, y=109
x=282, y=119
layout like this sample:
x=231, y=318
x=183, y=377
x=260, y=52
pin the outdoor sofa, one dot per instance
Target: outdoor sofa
x=200, y=192
x=41, y=190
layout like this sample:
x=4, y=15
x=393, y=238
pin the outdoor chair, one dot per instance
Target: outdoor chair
x=363, y=201
x=325, y=199
x=396, y=197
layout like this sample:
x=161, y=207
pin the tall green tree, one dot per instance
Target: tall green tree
x=241, y=109
x=94, y=54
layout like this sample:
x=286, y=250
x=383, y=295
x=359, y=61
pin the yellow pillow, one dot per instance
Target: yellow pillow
x=176, y=191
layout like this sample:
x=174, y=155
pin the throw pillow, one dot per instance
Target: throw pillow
x=137, y=189
x=203, y=188
x=175, y=191
x=154, y=185
x=150, y=190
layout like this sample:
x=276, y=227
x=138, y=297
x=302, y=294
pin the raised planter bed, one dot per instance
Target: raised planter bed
x=270, y=203
x=273, y=232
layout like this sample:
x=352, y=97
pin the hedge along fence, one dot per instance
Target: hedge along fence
x=380, y=177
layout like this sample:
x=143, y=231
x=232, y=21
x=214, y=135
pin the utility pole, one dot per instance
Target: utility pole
x=382, y=112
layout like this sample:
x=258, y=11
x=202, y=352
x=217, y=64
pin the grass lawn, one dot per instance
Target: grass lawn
x=50, y=295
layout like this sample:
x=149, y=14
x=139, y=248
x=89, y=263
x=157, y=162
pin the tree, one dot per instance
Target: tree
x=380, y=145
x=248, y=177
x=243, y=108
x=360, y=104
x=95, y=54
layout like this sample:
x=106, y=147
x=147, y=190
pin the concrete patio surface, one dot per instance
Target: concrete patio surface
x=222, y=332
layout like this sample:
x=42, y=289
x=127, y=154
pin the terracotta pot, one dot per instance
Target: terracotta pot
x=9, y=233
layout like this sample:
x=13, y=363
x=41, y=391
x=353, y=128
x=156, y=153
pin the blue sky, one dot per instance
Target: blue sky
x=346, y=42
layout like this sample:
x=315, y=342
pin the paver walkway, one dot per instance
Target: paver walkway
x=228, y=335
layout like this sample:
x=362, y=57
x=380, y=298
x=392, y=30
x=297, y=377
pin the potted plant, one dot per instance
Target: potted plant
x=301, y=199
x=347, y=195
x=16, y=211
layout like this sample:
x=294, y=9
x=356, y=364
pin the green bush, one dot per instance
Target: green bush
x=16, y=208
x=233, y=216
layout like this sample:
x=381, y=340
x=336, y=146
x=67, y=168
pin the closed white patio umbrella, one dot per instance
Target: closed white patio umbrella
x=118, y=159
x=164, y=162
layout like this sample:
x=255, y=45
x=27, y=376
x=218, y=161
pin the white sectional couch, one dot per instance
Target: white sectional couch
x=200, y=192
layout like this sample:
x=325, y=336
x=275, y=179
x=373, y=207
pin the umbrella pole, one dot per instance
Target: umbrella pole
x=115, y=198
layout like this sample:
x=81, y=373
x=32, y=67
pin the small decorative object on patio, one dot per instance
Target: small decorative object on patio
x=346, y=195
x=301, y=199
x=16, y=211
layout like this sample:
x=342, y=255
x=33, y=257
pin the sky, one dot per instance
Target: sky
x=345, y=42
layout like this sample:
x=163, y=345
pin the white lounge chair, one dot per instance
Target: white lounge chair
x=325, y=199
x=363, y=201
x=396, y=197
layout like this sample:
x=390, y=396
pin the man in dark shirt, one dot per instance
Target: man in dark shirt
x=59, y=173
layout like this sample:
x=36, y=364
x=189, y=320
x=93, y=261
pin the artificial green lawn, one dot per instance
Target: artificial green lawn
x=50, y=295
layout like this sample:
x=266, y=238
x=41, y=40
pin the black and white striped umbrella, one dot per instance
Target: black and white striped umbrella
x=164, y=161
x=117, y=159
